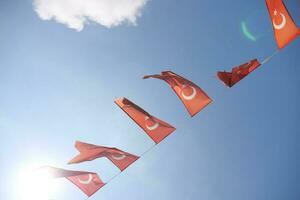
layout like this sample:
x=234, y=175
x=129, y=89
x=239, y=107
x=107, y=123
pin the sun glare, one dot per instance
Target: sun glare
x=35, y=185
x=247, y=33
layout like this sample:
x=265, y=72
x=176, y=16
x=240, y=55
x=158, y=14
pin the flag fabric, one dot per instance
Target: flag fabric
x=238, y=73
x=285, y=29
x=191, y=95
x=87, y=182
x=156, y=129
x=88, y=152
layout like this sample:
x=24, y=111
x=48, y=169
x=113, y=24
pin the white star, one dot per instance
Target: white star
x=275, y=12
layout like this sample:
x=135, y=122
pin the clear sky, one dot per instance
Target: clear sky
x=58, y=85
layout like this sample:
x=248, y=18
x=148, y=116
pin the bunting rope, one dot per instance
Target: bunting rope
x=281, y=43
x=267, y=59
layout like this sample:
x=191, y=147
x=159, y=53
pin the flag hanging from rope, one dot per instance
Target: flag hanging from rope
x=238, y=73
x=191, y=95
x=88, y=152
x=285, y=29
x=87, y=182
x=156, y=129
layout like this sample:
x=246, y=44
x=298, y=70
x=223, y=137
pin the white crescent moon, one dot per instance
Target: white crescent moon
x=151, y=128
x=282, y=24
x=86, y=182
x=121, y=157
x=192, y=96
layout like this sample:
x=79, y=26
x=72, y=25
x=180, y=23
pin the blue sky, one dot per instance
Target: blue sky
x=58, y=85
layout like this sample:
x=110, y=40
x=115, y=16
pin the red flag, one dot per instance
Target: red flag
x=154, y=127
x=284, y=27
x=238, y=73
x=192, y=96
x=87, y=182
x=90, y=152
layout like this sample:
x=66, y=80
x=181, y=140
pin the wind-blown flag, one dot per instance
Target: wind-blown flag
x=87, y=182
x=238, y=73
x=156, y=129
x=89, y=152
x=284, y=27
x=191, y=95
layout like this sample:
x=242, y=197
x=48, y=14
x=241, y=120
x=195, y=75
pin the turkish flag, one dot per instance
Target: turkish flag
x=191, y=95
x=87, y=182
x=90, y=152
x=156, y=129
x=238, y=73
x=284, y=27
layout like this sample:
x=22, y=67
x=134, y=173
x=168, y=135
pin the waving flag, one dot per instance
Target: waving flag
x=284, y=27
x=192, y=96
x=87, y=182
x=238, y=73
x=90, y=152
x=154, y=127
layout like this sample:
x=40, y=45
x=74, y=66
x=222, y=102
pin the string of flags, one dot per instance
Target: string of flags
x=285, y=31
x=192, y=96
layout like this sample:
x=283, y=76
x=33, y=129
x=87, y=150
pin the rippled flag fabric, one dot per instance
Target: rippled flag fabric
x=156, y=129
x=284, y=27
x=238, y=73
x=191, y=95
x=87, y=182
x=89, y=152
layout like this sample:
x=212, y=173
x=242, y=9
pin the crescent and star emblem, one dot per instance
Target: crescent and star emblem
x=283, y=22
x=153, y=127
x=86, y=182
x=118, y=157
x=188, y=97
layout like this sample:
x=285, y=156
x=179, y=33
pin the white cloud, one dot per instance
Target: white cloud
x=76, y=13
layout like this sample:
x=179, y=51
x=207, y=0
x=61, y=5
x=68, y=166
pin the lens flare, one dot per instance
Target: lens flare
x=247, y=33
